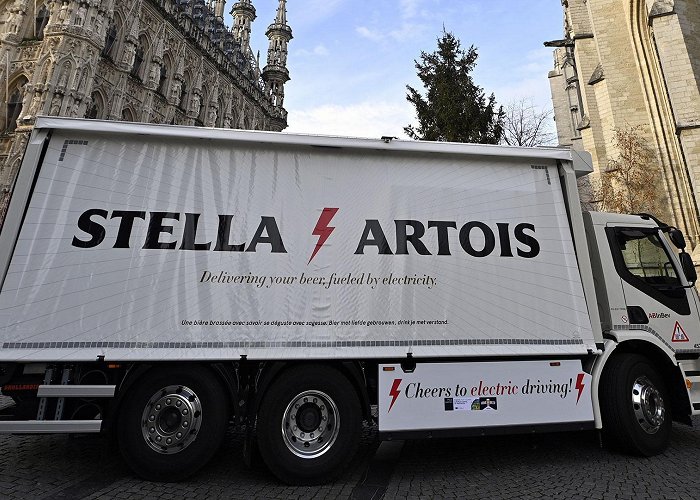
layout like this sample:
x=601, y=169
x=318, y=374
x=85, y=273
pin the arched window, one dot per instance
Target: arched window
x=138, y=62
x=14, y=104
x=163, y=79
x=184, y=88
x=203, y=108
x=127, y=115
x=40, y=22
x=95, y=110
x=221, y=116
x=110, y=41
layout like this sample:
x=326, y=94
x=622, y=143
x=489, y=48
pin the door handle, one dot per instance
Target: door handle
x=637, y=315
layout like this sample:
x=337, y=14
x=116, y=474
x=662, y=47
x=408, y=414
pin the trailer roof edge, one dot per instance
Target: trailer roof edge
x=284, y=138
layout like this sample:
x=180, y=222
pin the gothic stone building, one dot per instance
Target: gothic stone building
x=157, y=61
x=628, y=63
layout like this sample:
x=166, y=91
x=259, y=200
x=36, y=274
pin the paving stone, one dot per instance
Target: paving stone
x=569, y=465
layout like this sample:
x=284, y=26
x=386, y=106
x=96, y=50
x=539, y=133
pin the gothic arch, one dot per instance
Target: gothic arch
x=41, y=19
x=675, y=173
x=63, y=72
x=142, y=56
x=15, y=99
x=83, y=79
x=128, y=114
x=204, y=103
x=97, y=108
x=166, y=69
x=185, y=91
x=222, y=112
x=114, y=37
x=43, y=68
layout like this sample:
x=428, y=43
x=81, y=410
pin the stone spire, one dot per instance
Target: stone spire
x=281, y=17
x=243, y=14
x=219, y=8
x=276, y=73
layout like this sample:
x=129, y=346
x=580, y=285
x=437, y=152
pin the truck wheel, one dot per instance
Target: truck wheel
x=309, y=425
x=635, y=406
x=172, y=423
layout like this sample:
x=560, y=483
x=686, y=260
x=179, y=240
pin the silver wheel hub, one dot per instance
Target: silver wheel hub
x=171, y=419
x=649, y=409
x=310, y=424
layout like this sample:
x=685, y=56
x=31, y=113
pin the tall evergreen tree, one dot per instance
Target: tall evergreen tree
x=454, y=108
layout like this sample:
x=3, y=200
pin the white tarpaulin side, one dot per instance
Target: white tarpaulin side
x=157, y=248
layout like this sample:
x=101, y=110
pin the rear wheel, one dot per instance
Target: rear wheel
x=635, y=406
x=309, y=425
x=172, y=423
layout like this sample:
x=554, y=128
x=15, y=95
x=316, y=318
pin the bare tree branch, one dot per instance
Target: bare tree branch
x=525, y=125
x=632, y=182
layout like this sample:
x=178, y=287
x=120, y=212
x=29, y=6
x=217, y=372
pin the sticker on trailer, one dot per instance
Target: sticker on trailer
x=458, y=395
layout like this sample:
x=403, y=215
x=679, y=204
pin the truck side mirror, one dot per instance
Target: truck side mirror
x=676, y=236
x=688, y=267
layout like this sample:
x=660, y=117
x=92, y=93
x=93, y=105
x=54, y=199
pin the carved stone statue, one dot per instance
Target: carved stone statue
x=55, y=105
x=36, y=103
x=129, y=54
x=15, y=17
x=195, y=104
x=80, y=15
x=154, y=75
x=211, y=116
x=63, y=13
x=63, y=78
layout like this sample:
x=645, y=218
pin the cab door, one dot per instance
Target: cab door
x=658, y=297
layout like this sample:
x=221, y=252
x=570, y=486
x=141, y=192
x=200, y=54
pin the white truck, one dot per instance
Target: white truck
x=162, y=282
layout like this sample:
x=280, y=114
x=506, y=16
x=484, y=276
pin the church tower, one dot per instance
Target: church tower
x=276, y=74
x=243, y=14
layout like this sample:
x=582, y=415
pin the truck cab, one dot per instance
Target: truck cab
x=649, y=312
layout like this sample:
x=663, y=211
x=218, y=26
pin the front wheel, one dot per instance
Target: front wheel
x=172, y=423
x=309, y=425
x=635, y=406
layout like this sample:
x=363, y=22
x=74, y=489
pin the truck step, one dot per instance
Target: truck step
x=50, y=426
x=76, y=391
x=692, y=380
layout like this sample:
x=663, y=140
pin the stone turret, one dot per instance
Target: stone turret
x=276, y=74
x=243, y=14
x=219, y=8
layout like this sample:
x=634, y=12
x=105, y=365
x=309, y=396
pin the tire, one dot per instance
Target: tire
x=635, y=406
x=309, y=425
x=172, y=422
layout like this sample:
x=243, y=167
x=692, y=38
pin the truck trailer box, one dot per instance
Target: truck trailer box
x=221, y=245
x=163, y=281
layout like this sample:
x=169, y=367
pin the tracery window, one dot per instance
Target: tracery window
x=138, y=62
x=42, y=19
x=163, y=78
x=110, y=41
x=14, y=104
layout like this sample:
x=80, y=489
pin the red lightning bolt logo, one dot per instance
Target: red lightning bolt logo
x=323, y=230
x=579, y=386
x=394, y=392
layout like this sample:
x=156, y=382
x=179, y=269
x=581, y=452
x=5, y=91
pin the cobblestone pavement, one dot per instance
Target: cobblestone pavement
x=569, y=465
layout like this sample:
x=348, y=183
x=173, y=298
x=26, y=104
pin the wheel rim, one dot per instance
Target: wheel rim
x=648, y=405
x=310, y=424
x=171, y=419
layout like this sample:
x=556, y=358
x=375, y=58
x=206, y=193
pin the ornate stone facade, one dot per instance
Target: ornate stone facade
x=156, y=61
x=628, y=63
